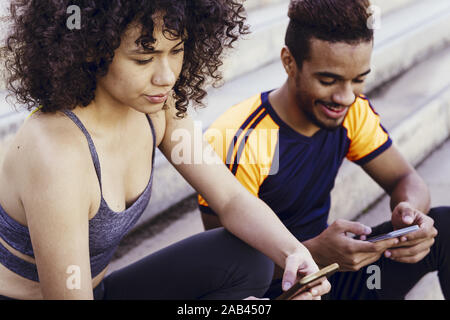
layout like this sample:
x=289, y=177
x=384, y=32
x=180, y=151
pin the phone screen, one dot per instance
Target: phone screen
x=394, y=234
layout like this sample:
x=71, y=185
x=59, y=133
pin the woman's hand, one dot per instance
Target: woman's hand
x=298, y=265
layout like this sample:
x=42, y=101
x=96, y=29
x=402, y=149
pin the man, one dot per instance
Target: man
x=319, y=116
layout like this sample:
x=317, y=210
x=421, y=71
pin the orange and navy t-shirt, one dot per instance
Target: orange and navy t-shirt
x=293, y=174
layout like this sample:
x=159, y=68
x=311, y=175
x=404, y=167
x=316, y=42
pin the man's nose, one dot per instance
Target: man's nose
x=345, y=95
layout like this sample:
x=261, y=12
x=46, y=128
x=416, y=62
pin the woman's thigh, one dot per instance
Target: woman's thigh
x=210, y=265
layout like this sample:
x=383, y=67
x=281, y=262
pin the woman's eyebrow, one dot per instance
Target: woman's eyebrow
x=151, y=50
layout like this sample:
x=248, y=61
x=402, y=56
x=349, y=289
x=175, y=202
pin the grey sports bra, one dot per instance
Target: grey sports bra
x=106, y=229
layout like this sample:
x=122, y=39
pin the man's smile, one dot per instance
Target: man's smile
x=333, y=111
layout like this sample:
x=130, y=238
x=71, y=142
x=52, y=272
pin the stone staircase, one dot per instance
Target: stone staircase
x=409, y=87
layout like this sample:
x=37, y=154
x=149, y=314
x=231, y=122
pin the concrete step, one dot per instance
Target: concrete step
x=418, y=30
x=389, y=6
x=415, y=108
x=10, y=119
x=436, y=172
x=4, y=6
x=256, y=4
x=414, y=21
x=151, y=238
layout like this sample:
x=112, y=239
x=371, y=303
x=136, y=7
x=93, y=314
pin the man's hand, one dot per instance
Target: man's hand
x=333, y=245
x=298, y=265
x=416, y=245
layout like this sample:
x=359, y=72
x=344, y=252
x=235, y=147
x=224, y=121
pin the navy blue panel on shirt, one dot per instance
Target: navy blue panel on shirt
x=300, y=192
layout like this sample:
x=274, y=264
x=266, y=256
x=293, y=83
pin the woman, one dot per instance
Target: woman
x=78, y=174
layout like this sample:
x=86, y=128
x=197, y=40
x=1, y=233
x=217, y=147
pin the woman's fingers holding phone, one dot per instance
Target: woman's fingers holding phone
x=313, y=291
x=303, y=296
x=297, y=264
x=322, y=288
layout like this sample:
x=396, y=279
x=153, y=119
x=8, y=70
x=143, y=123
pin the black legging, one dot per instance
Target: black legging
x=397, y=279
x=210, y=265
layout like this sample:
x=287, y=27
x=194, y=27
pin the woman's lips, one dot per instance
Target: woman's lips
x=333, y=113
x=157, y=99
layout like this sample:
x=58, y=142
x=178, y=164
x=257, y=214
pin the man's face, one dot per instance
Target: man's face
x=330, y=80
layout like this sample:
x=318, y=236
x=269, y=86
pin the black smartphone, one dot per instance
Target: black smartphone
x=394, y=234
x=309, y=282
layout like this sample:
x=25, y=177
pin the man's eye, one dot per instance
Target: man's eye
x=359, y=80
x=327, y=83
x=142, y=62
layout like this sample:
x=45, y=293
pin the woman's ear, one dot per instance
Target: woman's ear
x=288, y=61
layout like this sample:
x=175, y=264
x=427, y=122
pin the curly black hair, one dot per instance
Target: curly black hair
x=50, y=65
x=328, y=20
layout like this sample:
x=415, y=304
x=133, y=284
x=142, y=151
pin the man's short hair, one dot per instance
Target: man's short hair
x=328, y=20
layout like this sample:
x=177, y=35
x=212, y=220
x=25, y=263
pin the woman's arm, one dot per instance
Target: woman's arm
x=246, y=216
x=53, y=191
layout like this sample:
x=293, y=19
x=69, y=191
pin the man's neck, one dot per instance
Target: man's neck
x=285, y=105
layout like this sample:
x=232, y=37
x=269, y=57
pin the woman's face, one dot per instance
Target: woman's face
x=143, y=79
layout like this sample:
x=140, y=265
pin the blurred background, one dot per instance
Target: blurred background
x=409, y=87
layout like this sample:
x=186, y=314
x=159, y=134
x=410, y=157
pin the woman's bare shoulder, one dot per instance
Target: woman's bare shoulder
x=45, y=143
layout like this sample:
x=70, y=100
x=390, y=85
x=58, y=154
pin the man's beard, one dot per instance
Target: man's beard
x=312, y=117
x=308, y=112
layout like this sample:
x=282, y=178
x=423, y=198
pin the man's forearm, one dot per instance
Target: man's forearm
x=412, y=189
x=315, y=253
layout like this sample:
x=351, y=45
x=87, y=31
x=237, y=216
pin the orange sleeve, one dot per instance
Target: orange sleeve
x=368, y=138
x=248, y=151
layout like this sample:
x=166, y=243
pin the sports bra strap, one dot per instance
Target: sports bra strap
x=92, y=149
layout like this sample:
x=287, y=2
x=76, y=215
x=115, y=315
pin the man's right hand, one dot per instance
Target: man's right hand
x=333, y=245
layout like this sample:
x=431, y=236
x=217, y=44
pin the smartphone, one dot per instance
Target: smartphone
x=309, y=282
x=394, y=234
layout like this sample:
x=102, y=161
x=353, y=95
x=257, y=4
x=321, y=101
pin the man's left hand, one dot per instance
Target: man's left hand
x=415, y=246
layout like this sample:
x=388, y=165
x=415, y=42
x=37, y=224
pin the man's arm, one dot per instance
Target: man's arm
x=399, y=179
x=410, y=202
x=409, y=198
